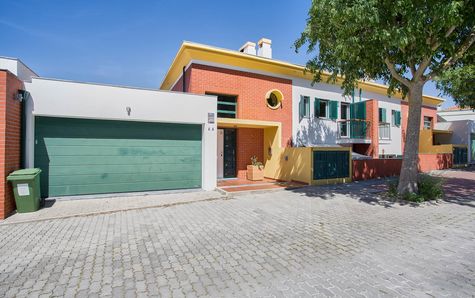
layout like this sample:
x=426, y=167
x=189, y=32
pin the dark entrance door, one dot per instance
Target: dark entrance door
x=229, y=158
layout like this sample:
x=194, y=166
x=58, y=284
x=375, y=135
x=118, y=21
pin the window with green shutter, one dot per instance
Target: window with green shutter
x=323, y=108
x=396, y=118
x=333, y=109
x=304, y=107
x=358, y=110
x=382, y=115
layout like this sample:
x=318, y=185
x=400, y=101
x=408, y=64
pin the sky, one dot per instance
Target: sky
x=133, y=43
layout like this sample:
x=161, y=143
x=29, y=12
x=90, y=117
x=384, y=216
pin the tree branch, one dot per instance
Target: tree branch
x=458, y=54
x=463, y=48
x=422, y=68
x=395, y=74
x=449, y=32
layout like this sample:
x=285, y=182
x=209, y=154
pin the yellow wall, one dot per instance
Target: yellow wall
x=290, y=164
x=426, y=144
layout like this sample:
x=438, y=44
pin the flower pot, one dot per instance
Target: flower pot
x=254, y=173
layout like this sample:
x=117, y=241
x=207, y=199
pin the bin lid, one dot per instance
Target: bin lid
x=24, y=174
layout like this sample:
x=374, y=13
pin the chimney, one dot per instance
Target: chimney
x=264, y=49
x=248, y=48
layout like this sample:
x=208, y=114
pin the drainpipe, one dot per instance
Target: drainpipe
x=26, y=96
x=360, y=94
x=183, y=78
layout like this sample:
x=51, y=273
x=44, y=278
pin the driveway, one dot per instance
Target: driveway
x=314, y=241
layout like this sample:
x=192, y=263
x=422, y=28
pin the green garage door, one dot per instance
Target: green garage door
x=80, y=156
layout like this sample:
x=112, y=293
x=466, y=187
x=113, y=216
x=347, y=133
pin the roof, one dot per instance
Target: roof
x=190, y=51
x=455, y=108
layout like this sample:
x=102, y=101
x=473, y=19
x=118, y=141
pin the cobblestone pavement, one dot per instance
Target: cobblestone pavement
x=307, y=242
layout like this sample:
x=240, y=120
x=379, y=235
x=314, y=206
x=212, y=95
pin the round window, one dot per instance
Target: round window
x=274, y=99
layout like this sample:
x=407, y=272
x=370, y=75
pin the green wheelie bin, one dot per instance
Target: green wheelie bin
x=26, y=188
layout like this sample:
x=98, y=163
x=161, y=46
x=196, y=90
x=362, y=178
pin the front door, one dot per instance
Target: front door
x=229, y=158
x=220, y=161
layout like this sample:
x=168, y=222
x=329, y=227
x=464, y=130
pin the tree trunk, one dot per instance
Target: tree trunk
x=410, y=162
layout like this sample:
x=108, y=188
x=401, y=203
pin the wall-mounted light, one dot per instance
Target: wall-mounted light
x=129, y=110
x=269, y=151
x=21, y=95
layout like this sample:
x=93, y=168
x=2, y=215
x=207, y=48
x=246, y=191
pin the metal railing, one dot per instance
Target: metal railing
x=384, y=131
x=353, y=129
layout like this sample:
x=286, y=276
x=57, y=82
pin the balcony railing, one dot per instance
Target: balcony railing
x=353, y=129
x=384, y=131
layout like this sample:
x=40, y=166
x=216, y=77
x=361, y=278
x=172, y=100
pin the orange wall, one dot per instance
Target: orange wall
x=430, y=162
x=250, y=89
x=249, y=142
x=426, y=111
x=10, y=132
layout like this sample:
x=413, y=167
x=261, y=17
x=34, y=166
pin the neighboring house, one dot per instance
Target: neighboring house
x=92, y=138
x=459, y=125
x=261, y=100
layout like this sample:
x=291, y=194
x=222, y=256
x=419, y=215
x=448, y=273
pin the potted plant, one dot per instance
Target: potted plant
x=255, y=171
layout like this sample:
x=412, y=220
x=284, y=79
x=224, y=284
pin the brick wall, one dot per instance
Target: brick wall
x=376, y=168
x=10, y=132
x=372, y=114
x=250, y=142
x=430, y=162
x=250, y=89
x=426, y=111
x=179, y=84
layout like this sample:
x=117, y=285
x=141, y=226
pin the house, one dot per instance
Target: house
x=267, y=106
x=92, y=138
x=216, y=109
x=459, y=125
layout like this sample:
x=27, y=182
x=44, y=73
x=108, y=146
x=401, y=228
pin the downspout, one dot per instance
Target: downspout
x=183, y=79
x=26, y=96
x=360, y=94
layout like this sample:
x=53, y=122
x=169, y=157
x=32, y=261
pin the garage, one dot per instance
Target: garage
x=80, y=156
x=100, y=139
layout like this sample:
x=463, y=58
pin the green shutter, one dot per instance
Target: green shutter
x=333, y=110
x=382, y=115
x=398, y=118
x=317, y=107
x=358, y=110
x=301, y=107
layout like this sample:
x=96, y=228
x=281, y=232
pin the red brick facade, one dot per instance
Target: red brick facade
x=10, y=133
x=250, y=89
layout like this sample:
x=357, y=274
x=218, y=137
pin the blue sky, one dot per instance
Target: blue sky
x=133, y=42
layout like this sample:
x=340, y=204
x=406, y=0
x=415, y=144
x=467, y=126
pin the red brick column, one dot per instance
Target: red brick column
x=372, y=115
x=10, y=134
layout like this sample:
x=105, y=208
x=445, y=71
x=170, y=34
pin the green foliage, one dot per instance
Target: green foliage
x=256, y=163
x=430, y=188
x=459, y=83
x=397, y=41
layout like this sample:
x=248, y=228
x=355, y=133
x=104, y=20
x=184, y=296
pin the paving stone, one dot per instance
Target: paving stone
x=315, y=241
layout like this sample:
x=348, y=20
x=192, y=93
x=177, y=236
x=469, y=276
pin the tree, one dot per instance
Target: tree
x=459, y=83
x=404, y=43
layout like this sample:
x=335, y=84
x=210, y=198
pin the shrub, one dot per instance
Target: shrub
x=430, y=188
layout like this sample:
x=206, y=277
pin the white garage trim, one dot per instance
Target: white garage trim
x=56, y=98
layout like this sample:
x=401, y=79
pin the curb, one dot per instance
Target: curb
x=114, y=211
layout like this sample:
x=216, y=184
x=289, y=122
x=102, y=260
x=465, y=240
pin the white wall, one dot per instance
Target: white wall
x=314, y=131
x=457, y=115
x=394, y=145
x=461, y=134
x=17, y=67
x=90, y=101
